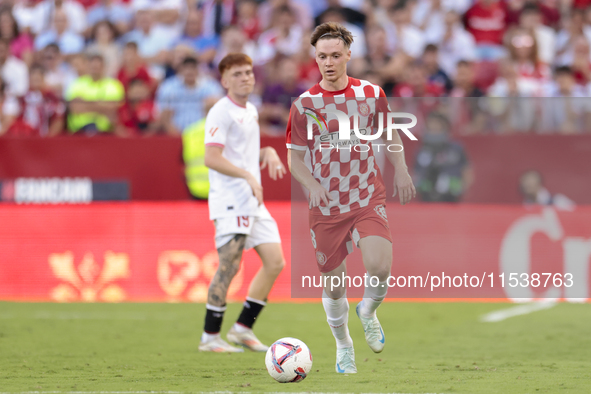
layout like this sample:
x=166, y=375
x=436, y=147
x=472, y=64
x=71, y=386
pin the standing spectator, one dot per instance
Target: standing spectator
x=436, y=74
x=531, y=19
x=21, y=44
x=402, y=35
x=181, y=99
x=68, y=40
x=574, y=27
x=133, y=67
x=103, y=42
x=58, y=73
x=112, y=11
x=137, y=116
x=45, y=15
x=204, y=46
x=9, y=109
x=442, y=171
x=13, y=71
x=487, y=21
x=42, y=111
x=454, y=44
x=94, y=100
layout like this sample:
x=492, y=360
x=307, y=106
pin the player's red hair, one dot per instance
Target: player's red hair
x=234, y=59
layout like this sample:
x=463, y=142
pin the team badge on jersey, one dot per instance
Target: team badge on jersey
x=363, y=109
x=381, y=210
x=321, y=258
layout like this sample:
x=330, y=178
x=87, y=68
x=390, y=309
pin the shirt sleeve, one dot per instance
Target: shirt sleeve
x=296, y=129
x=217, y=126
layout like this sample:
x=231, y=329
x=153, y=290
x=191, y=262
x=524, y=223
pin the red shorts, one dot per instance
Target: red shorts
x=333, y=236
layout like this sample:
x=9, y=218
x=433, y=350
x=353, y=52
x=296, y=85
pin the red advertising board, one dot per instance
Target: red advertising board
x=165, y=252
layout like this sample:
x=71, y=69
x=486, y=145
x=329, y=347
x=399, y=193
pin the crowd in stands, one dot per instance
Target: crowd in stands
x=145, y=67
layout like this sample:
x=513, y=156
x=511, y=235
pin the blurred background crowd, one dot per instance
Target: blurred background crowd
x=145, y=67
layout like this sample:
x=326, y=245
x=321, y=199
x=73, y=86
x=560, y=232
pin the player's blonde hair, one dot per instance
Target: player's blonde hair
x=331, y=30
x=233, y=59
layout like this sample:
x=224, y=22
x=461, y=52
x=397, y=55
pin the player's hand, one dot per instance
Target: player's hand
x=257, y=189
x=319, y=194
x=271, y=159
x=404, y=187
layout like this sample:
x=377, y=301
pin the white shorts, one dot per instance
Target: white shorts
x=258, y=229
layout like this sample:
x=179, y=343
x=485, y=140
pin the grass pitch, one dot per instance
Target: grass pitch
x=430, y=348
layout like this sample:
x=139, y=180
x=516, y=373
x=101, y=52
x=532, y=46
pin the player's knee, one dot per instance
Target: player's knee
x=335, y=293
x=381, y=269
x=276, y=265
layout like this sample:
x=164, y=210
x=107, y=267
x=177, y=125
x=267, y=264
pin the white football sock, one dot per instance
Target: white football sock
x=205, y=337
x=337, y=316
x=372, y=298
x=240, y=328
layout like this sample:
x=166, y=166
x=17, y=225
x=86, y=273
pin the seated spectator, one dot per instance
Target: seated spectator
x=301, y=13
x=9, y=109
x=133, y=67
x=486, y=20
x=574, y=26
x=167, y=15
x=581, y=64
x=13, y=71
x=549, y=12
x=402, y=36
x=24, y=12
x=277, y=98
x=510, y=84
x=178, y=54
x=351, y=12
x=153, y=42
x=523, y=52
x=69, y=41
x=531, y=19
x=435, y=74
x=531, y=186
x=103, y=42
x=42, y=111
x=137, y=116
x=204, y=46
x=45, y=16
x=21, y=44
x=569, y=111
x=454, y=44
x=282, y=38
x=94, y=100
x=181, y=99
x=442, y=171
x=466, y=115
x=463, y=84
x=58, y=73
x=217, y=15
x=247, y=18
x=417, y=83
x=429, y=16
x=113, y=11
x=233, y=40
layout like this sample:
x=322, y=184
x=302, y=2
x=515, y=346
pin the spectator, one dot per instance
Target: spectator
x=277, y=98
x=301, y=13
x=178, y=54
x=435, y=74
x=153, y=42
x=9, y=109
x=417, y=83
x=510, y=84
x=523, y=52
x=463, y=84
x=94, y=100
x=247, y=19
x=24, y=12
x=402, y=36
x=69, y=41
x=103, y=42
x=167, y=15
x=181, y=99
x=217, y=15
x=531, y=186
x=429, y=16
x=43, y=111
x=568, y=113
x=358, y=48
x=487, y=21
x=58, y=73
x=204, y=46
x=442, y=171
x=133, y=67
x=21, y=44
x=549, y=12
x=137, y=116
x=281, y=39
x=233, y=40
x=13, y=71
x=112, y=11
x=531, y=19
x=454, y=44
x=575, y=26
x=45, y=16
x=581, y=65
x=351, y=13
x=466, y=116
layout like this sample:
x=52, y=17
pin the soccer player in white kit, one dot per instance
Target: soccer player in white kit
x=235, y=158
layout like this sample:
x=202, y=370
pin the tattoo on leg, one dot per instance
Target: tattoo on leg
x=230, y=255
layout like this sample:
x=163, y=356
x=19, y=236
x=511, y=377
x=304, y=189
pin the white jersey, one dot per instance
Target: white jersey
x=236, y=129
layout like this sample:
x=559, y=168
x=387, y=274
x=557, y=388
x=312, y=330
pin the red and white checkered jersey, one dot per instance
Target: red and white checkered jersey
x=349, y=173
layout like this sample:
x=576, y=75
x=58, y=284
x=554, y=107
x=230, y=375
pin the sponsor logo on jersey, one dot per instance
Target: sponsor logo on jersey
x=363, y=109
x=381, y=210
x=321, y=258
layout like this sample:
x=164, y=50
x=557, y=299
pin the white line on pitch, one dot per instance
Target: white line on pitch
x=518, y=310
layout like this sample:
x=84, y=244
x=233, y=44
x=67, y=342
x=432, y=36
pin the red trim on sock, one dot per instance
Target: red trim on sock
x=244, y=325
x=211, y=333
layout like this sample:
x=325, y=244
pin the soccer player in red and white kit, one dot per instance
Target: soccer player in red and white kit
x=347, y=193
x=235, y=159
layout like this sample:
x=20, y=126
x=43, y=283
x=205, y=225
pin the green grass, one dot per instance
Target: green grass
x=430, y=348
